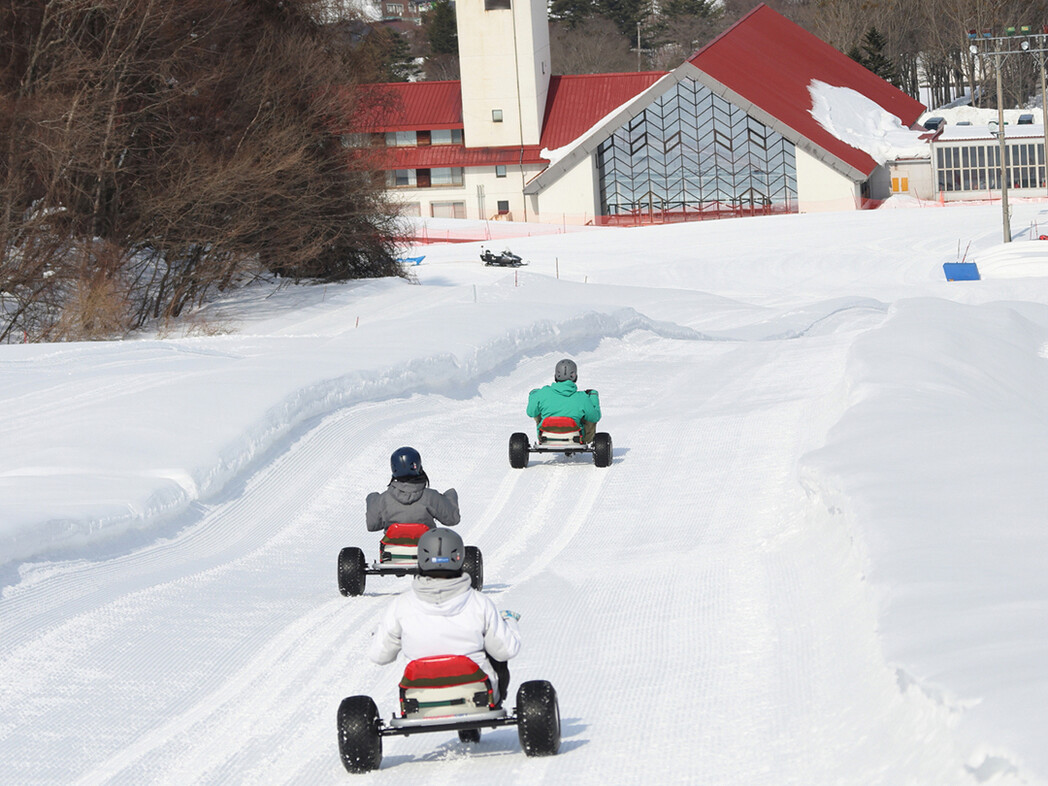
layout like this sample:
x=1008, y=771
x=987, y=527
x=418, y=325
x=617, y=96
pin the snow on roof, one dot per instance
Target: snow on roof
x=864, y=124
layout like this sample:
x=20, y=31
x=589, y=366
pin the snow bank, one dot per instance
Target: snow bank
x=952, y=525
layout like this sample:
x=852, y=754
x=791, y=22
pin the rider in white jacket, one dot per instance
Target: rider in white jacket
x=443, y=615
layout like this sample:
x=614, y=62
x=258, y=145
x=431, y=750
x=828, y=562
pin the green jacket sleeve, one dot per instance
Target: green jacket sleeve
x=533, y=403
x=592, y=409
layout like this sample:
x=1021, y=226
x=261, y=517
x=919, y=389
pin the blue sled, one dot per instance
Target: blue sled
x=960, y=271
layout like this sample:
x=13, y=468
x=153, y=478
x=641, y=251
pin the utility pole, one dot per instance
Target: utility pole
x=1006, y=215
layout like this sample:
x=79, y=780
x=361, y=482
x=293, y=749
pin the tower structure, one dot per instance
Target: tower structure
x=504, y=62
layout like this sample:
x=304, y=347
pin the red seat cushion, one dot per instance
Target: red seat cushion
x=404, y=534
x=441, y=671
x=559, y=424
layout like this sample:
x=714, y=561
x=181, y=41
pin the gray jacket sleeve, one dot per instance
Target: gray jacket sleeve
x=373, y=516
x=445, y=507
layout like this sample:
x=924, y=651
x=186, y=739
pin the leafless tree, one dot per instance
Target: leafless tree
x=593, y=46
x=151, y=152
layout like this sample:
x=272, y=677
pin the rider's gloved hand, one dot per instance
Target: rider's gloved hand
x=506, y=614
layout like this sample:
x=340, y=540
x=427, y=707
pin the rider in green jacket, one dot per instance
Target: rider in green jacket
x=563, y=398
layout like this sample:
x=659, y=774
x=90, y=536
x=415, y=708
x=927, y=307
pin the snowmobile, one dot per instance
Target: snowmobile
x=397, y=556
x=557, y=434
x=447, y=693
x=506, y=259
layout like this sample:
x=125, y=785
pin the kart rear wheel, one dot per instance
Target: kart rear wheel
x=518, y=450
x=469, y=735
x=538, y=718
x=359, y=743
x=602, y=449
x=473, y=564
x=351, y=571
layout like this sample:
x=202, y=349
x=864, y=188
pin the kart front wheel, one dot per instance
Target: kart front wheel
x=518, y=450
x=538, y=718
x=359, y=741
x=469, y=735
x=602, y=449
x=473, y=564
x=351, y=571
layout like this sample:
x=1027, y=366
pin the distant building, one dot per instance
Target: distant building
x=728, y=132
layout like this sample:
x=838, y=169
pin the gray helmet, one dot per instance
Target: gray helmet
x=441, y=554
x=566, y=369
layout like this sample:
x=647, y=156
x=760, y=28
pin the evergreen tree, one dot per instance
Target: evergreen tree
x=398, y=64
x=574, y=12
x=871, y=54
x=441, y=30
x=626, y=14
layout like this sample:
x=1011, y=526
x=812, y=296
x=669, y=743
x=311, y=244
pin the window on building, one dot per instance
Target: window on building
x=447, y=176
x=401, y=178
x=496, y=115
x=401, y=139
x=447, y=136
x=422, y=138
x=495, y=5
x=692, y=151
x=448, y=209
x=977, y=167
x=500, y=170
x=503, y=206
x=900, y=185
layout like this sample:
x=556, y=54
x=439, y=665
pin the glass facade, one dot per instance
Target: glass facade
x=691, y=153
x=977, y=167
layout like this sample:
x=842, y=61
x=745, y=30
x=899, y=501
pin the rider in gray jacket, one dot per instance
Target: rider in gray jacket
x=408, y=498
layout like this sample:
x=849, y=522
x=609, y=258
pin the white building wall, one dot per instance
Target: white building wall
x=479, y=194
x=819, y=188
x=572, y=198
x=504, y=62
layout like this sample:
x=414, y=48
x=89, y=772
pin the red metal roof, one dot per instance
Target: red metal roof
x=457, y=155
x=576, y=103
x=770, y=61
x=409, y=106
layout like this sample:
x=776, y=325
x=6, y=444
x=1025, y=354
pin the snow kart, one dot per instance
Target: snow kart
x=506, y=259
x=447, y=693
x=558, y=434
x=397, y=556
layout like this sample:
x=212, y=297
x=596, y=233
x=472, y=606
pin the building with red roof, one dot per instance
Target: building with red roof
x=729, y=131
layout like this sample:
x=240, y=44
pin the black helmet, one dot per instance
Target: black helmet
x=406, y=463
x=566, y=369
x=441, y=554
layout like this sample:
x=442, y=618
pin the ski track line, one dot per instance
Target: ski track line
x=232, y=528
x=286, y=648
x=74, y=630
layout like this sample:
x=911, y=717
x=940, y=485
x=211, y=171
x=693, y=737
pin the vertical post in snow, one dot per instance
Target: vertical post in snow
x=516, y=283
x=358, y=322
x=558, y=267
x=474, y=293
x=1005, y=211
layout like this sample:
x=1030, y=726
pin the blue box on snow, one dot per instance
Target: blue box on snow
x=960, y=271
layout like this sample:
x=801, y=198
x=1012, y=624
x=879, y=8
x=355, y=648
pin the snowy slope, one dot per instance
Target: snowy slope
x=816, y=558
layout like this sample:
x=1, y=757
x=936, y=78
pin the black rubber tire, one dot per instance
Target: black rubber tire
x=602, y=449
x=469, y=735
x=538, y=718
x=473, y=564
x=518, y=450
x=359, y=743
x=351, y=571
